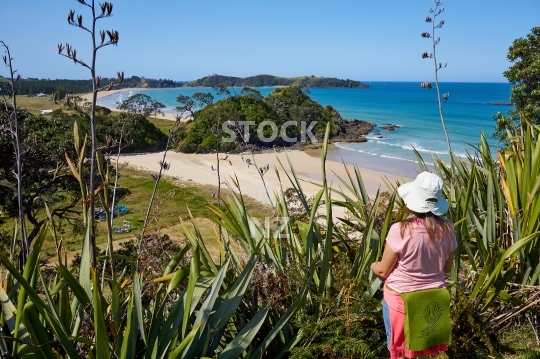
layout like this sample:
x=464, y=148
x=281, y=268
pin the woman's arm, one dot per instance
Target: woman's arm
x=383, y=268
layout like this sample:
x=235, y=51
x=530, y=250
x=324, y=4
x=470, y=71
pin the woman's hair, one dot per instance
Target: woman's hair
x=436, y=226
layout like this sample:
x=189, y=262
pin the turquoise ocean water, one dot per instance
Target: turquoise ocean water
x=468, y=112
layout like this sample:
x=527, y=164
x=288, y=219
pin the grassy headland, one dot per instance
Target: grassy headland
x=270, y=80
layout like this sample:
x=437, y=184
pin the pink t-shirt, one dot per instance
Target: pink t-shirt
x=420, y=264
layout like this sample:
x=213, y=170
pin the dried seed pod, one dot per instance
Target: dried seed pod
x=120, y=77
x=70, y=16
x=446, y=96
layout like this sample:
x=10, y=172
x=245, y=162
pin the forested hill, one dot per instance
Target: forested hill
x=32, y=86
x=269, y=80
x=287, y=108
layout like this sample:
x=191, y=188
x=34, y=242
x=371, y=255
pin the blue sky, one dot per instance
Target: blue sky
x=185, y=40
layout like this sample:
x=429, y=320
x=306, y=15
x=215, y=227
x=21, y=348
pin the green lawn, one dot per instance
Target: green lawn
x=164, y=125
x=173, y=197
x=35, y=104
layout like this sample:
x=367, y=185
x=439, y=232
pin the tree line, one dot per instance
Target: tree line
x=33, y=86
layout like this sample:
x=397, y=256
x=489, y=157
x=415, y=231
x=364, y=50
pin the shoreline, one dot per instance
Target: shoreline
x=201, y=168
x=102, y=94
x=377, y=163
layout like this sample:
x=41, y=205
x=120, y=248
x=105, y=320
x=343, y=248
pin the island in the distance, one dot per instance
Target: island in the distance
x=270, y=80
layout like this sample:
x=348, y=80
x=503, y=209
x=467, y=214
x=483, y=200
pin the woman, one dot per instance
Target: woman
x=418, y=253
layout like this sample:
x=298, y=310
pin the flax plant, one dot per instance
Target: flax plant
x=113, y=201
x=495, y=212
x=103, y=39
x=437, y=11
x=261, y=171
x=163, y=166
x=198, y=310
x=369, y=216
x=12, y=126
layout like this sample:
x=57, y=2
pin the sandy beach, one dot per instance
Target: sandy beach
x=88, y=96
x=101, y=94
x=201, y=168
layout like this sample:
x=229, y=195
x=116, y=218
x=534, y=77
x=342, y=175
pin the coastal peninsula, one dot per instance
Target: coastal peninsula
x=270, y=80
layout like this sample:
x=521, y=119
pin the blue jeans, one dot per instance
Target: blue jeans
x=387, y=326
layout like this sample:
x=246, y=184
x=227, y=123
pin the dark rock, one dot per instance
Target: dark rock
x=390, y=127
x=353, y=131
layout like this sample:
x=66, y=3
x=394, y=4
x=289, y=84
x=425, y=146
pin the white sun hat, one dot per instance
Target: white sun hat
x=424, y=194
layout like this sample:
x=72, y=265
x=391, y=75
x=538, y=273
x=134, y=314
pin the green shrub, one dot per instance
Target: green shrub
x=351, y=324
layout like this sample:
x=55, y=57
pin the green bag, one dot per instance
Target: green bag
x=427, y=318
